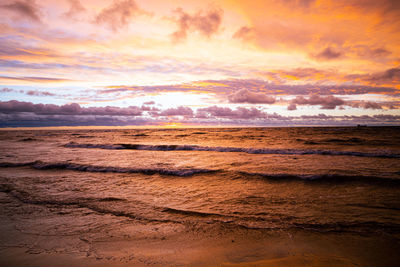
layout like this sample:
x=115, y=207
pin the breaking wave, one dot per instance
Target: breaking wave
x=39, y=165
x=184, y=172
x=383, y=154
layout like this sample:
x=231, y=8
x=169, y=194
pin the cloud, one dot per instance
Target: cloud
x=206, y=23
x=179, y=111
x=39, y=93
x=328, y=102
x=34, y=120
x=30, y=92
x=367, y=83
x=366, y=104
x=26, y=9
x=228, y=87
x=244, y=33
x=245, y=96
x=391, y=76
x=7, y=90
x=75, y=8
x=227, y=113
x=331, y=102
x=118, y=14
x=292, y=106
x=15, y=114
x=299, y=3
x=35, y=79
x=328, y=54
x=15, y=106
x=149, y=103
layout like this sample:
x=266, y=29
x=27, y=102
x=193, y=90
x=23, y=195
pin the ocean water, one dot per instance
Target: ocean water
x=140, y=195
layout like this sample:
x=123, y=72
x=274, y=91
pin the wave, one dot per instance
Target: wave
x=89, y=203
x=184, y=172
x=326, y=178
x=191, y=213
x=383, y=154
x=39, y=165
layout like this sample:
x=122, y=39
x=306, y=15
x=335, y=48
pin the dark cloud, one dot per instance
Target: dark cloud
x=245, y=96
x=366, y=104
x=206, y=23
x=75, y=8
x=328, y=54
x=17, y=114
x=391, y=76
x=26, y=9
x=328, y=102
x=15, y=106
x=118, y=14
x=34, y=120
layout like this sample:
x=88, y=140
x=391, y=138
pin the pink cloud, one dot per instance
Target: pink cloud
x=328, y=102
x=26, y=9
x=245, y=96
x=179, y=111
x=118, y=14
x=15, y=106
x=205, y=23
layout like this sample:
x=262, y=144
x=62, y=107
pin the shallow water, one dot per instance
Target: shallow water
x=164, y=184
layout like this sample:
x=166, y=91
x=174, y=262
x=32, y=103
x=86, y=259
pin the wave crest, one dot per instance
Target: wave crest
x=382, y=154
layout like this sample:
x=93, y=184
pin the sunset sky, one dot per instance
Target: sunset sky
x=193, y=63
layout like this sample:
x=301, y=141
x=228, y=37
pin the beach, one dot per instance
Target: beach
x=200, y=197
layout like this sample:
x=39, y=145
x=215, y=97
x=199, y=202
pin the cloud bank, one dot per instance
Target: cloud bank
x=27, y=114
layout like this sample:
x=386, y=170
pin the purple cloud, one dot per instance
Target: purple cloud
x=238, y=113
x=245, y=96
x=7, y=90
x=179, y=111
x=15, y=106
x=17, y=114
x=39, y=93
x=365, y=105
x=328, y=102
x=388, y=76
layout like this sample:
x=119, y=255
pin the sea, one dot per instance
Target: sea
x=201, y=196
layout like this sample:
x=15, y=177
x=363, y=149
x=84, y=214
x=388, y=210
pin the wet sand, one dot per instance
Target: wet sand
x=54, y=240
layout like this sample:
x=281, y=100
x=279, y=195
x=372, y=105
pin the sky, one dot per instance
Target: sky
x=199, y=63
